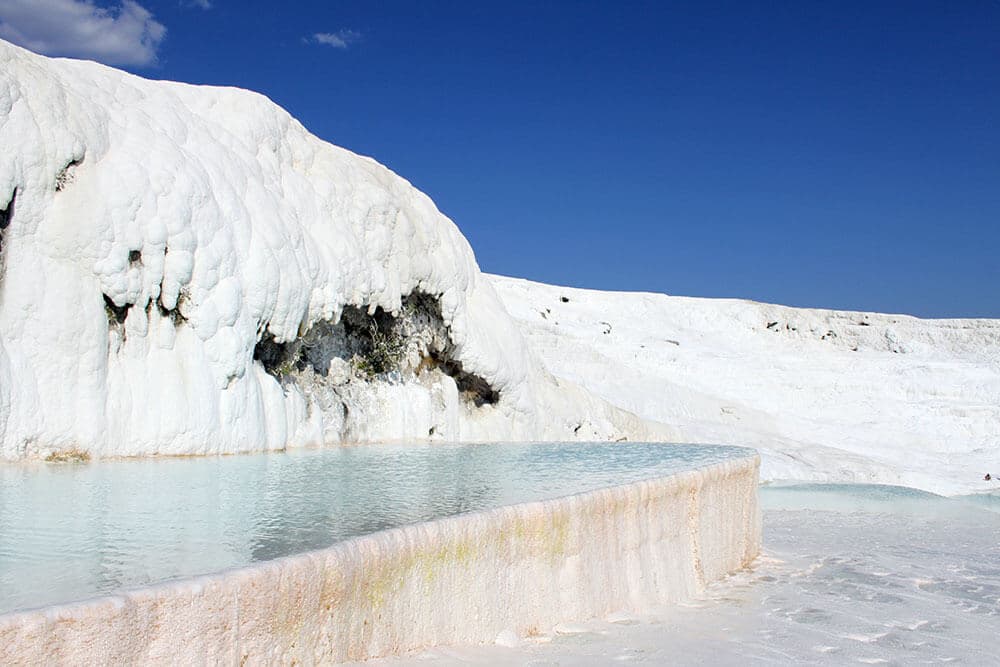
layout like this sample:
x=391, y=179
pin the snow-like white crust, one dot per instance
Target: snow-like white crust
x=224, y=221
x=221, y=219
x=823, y=395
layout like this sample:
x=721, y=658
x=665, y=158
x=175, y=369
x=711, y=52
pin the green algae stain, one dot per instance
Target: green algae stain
x=433, y=563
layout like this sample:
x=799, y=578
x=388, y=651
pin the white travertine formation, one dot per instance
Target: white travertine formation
x=823, y=395
x=465, y=579
x=155, y=234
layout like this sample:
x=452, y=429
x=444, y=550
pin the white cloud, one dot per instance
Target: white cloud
x=338, y=40
x=204, y=4
x=125, y=34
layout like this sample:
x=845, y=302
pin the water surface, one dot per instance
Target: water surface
x=74, y=531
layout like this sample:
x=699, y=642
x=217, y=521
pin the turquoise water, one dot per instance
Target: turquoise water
x=75, y=531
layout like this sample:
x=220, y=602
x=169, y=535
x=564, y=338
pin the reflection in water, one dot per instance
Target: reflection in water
x=69, y=532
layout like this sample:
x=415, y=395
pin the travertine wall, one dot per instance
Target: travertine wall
x=458, y=580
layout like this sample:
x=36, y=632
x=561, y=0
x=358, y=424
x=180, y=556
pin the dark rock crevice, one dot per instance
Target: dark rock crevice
x=6, y=215
x=67, y=174
x=277, y=358
x=374, y=346
x=116, y=314
x=174, y=315
x=472, y=388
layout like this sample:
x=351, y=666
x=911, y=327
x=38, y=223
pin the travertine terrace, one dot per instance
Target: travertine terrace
x=465, y=579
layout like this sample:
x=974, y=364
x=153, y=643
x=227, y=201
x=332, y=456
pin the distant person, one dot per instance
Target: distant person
x=987, y=478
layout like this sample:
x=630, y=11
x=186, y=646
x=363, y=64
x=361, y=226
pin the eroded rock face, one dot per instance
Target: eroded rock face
x=187, y=270
x=339, y=364
x=165, y=234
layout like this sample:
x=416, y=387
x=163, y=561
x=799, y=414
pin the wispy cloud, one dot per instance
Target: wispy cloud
x=126, y=34
x=204, y=4
x=341, y=39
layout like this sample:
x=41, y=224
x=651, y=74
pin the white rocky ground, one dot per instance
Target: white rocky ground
x=824, y=395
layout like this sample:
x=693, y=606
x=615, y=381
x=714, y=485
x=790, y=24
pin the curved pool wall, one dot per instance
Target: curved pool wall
x=74, y=532
x=463, y=579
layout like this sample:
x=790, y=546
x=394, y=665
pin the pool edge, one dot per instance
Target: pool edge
x=460, y=579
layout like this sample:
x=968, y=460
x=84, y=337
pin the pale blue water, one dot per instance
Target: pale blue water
x=75, y=531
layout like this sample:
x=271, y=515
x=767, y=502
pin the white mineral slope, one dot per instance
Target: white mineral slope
x=211, y=220
x=824, y=395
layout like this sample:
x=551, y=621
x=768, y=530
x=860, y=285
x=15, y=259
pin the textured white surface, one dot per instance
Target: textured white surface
x=823, y=395
x=849, y=575
x=510, y=572
x=217, y=208
x=221, y=219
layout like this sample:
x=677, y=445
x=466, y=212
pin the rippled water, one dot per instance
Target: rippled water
x=69, y=532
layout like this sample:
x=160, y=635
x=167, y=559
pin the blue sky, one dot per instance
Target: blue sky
x=834, y=154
